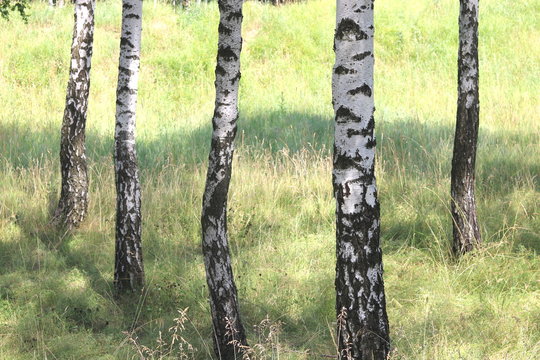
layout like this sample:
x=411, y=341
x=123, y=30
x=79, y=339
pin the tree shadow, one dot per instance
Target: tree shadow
x=414, y=160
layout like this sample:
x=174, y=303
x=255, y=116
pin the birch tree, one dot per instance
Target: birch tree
x=466, y=233
x=229, y=334
x=73, y=203
x=129, y=271
x=360, y=300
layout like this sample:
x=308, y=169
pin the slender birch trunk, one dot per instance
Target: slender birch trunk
x=229, y=334
x=360, y=300
x=465, y=223
x=73, y=203
x=129, y=271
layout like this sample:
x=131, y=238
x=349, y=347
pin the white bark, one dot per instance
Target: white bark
x=129, y=272
x=466, y=231
x=73, y=203
x=229, y=334
x=360, y=301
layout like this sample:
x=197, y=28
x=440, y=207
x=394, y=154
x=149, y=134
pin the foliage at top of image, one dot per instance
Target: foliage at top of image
x=8, y=6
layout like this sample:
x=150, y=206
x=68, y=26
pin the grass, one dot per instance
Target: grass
x=56, y=298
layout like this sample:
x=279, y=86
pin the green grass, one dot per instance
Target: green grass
x=56, y=298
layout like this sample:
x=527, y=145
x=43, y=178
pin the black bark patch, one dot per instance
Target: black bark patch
x=126, y=112
x=126, y=89
x=361, y=56
x=361, y=9
x=227, y=54
x=342, y=70
x=125, y=71
x=346, y=189
x=364, y=89
x=344, y=114
x=342, y=162
x=124, y=41
x=222, y=5
x=371, y=143
x=348, y=29
x=236, y=77
x=220, y=70
x=222, y=29
x=371, y=123
x=236, y=15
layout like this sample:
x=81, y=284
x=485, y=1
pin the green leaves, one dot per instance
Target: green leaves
x=8, y=6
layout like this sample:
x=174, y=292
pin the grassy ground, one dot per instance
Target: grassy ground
x=56, y=298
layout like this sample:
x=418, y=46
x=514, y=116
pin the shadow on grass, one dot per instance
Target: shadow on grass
x=72, y=286
x=411, y=154
x=24, y=147
x=417, y=144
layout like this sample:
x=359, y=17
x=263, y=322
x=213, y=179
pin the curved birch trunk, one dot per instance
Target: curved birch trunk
x=128, y=271
x=466, y=232
x=73, y=203
x=360, y=301
x=229, y=334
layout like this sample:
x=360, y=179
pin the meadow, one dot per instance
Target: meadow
x=56, y=294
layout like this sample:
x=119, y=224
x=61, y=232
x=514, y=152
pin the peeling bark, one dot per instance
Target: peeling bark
x=362, y=330
x=466, y=233
x=73, y=203
x=128, y=270
x=229, y=334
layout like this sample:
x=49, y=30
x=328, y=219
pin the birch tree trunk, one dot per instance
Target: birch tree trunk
x=466, y=232
x=360, y=300
x=129, y=271
x=73, y=203
x=229, y=334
